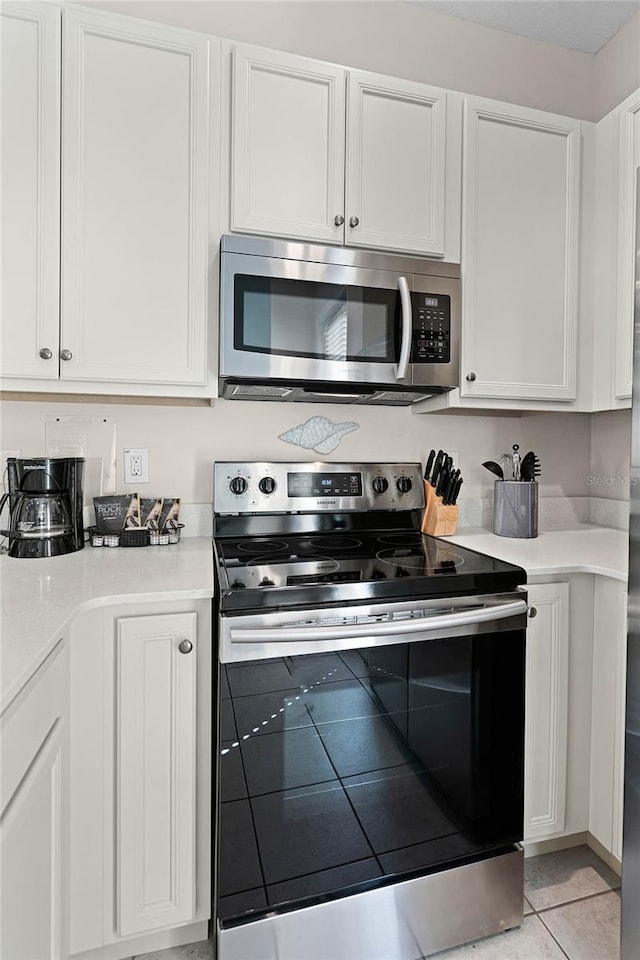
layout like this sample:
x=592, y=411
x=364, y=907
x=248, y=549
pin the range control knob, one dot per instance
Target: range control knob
x=238, y=485
x=404, y=484
x=266, y=582
x=267, y=485
x=379, y=484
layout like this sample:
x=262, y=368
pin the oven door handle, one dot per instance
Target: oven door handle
x=407, y=323
x=384, y=628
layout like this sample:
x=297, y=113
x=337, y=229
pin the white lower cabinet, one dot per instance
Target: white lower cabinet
x=546, y=713
x=608, y=714
x=140, y=778
x=33, y=836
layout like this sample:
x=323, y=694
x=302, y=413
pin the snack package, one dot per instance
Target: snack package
x=111, y=512
x=132, y=519
x=170, y=514
x=151, y=512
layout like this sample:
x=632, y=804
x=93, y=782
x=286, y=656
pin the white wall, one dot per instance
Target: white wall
x=398, y=39
x=617, y=68
x=610, y=454
x=183, y=441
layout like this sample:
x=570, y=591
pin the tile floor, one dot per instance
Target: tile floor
x=572, y=912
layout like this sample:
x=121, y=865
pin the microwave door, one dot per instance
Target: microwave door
x=303, y=321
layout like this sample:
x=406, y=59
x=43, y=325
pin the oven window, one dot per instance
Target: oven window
x=323, y=321
x=345, y=770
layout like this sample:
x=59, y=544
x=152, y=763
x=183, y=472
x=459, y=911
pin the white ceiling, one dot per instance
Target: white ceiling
x=581, y=24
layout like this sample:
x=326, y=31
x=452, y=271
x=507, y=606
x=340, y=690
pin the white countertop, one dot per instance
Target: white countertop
x=585, y=549
x=39, y=597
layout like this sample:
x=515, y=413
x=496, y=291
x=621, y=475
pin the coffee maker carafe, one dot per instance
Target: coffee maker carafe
x=45, y=506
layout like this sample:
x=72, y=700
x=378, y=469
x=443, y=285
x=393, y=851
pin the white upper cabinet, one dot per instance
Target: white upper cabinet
x=288, y=146
x=520, y=224
x=295, y=175
x=628, y=163
x=395, y=184
x=30, y=189
x=135, y=201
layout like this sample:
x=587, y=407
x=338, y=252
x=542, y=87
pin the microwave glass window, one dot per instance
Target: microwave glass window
x=323, y=321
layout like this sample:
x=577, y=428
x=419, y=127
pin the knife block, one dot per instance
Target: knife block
x=439, y=520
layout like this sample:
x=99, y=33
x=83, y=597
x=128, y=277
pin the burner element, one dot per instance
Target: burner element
x=401, y=539
x=259, y=546
x=335, y=542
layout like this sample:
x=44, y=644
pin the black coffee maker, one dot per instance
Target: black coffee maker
x=45, y=506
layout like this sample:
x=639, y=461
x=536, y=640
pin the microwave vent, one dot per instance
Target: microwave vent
x=248, y=391
x=395, y=398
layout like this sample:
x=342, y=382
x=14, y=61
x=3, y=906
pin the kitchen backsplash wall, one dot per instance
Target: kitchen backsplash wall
x=183, y=441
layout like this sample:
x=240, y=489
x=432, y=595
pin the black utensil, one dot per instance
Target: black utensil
x=443, y=479
x=427, y=469
x=495, y=468
x=437, y=467
x=456, y=490
x=531, y=467
x=450, y=487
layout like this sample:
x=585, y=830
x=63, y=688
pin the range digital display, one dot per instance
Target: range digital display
x=324, y=484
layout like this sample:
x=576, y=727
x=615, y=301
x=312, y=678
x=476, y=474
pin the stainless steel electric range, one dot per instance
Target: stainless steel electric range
x=371, y=720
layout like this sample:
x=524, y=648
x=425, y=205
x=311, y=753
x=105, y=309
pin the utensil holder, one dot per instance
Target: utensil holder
x=439, y=519
x=515, y=509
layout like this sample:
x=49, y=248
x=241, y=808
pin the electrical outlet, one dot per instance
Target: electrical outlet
x=136, y=465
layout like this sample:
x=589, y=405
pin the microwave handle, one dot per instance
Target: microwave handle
x=407, y=322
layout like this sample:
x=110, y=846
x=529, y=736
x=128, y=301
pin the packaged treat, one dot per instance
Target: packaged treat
x=112, y=511
x=151, y=512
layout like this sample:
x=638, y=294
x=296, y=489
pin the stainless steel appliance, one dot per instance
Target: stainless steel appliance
x=630, y=942
x=371, y=718
x=44, y=506
x=317, y=323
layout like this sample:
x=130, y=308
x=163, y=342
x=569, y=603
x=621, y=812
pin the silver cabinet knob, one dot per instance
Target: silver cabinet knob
x=65, y=354
x=533, y=612
x=45, y=354
x=471, y=377
x=338, y=220
x=354, y=221
x=185, y=646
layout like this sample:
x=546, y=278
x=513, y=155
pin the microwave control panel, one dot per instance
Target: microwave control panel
x=431, y=341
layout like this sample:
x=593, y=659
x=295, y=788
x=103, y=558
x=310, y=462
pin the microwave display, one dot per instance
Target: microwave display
x=324, y=484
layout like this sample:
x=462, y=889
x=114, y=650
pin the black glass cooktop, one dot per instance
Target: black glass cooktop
x=269, y=571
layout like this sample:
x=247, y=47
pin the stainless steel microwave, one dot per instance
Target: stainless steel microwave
x=334, y=324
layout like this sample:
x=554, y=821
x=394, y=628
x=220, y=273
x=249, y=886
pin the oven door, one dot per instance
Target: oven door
x=301, y=321
x=361, y=746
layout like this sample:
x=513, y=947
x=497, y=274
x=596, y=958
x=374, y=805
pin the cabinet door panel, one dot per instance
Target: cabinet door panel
x=155, y=772
x=135, y=188
x=519, y=243
x=395, y=164
x=547, y=697
x=629, y=161
x=30, y=188
x=31, y=859
x=288, y=146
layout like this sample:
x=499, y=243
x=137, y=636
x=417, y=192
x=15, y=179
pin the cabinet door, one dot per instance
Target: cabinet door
x=155, y=771
x=628, y=163
x=33, y=837
x=547, y=698
x=607, y=713
x=135, y=209
x=30, y=189
x=521, y=171
x=288, y=146
x=395, y=185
